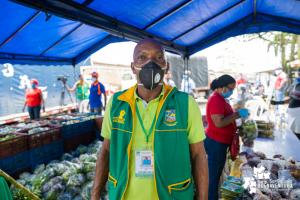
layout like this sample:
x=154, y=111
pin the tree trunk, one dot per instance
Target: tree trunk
x=294, y=40
x=282, y=46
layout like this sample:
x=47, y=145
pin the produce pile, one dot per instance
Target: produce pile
x=47, y=120
x=284, y=174
x=29, y=125
x=35, y=130
x=70, y=178
x=9, y=136
x=8, y=130
x=264, y=129
x=232, y=187
x=68, y=117
x=68, y=122
x=248, y=132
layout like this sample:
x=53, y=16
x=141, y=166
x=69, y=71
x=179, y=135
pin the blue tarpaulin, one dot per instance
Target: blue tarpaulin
x=76, y=29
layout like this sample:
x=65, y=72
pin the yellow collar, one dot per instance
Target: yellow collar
x=161, y=95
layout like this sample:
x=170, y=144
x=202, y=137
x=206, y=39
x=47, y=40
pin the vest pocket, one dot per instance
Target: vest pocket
x=112, y=180
x=179, y=186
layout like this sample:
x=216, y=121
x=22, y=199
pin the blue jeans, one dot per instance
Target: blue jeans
x=279, y=95
x=216, y=158
x=34, y=112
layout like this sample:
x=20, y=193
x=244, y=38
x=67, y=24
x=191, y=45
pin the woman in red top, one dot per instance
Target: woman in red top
x=34, y=99
x=221, y=127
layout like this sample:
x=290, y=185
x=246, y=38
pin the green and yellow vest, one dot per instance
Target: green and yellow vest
x=83, y=90
x=172, y=167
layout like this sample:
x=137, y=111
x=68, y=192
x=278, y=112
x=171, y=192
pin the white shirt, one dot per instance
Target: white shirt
x=170, y=82
x=283, y=75
x=188, y=85
x=293, y=119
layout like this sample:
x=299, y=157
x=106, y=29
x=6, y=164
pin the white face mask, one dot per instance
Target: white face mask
x=278, y=71
x=94, y=79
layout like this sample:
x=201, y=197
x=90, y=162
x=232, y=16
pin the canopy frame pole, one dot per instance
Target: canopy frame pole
x=168, y=14
x=69, y=33
x=254, y=12
x=208, y=20
x=21, y=28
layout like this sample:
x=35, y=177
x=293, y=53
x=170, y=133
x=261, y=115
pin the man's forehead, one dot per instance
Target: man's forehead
x=148, y=45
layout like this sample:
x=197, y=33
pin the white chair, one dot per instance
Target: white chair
x=254, y=106
x=258, y=98
x=83, y=106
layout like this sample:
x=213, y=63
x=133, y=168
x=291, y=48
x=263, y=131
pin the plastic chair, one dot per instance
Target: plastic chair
x=83, y=106
x=254, y=106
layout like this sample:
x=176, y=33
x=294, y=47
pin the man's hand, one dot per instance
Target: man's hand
x=199, y=170
x=23, y=109
x=102, y=169
x=88, y=106
x=44, y=110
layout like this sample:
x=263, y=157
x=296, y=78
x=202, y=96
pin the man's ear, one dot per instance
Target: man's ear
x=132, y=67
x=168, y=68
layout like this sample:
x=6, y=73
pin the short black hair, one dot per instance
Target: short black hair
x=80, y=75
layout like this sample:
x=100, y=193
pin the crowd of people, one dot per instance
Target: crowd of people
x=155, y=145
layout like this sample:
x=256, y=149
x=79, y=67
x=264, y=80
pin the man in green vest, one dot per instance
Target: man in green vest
x=153, y=135
x=82, y=90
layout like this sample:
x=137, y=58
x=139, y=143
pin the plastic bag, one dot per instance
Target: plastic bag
x=78, y=197
x=82, y=149
x=12, y=187
x=74, y=190
x=83, y=157
x=24, y=175
x=260, y=154
x=65, y=196
x=285, y=179
x=280, y=156
x=30, y=178
x=295, y=193
x=75, y=160
x=74, y=153
x=53, y=161
x=43, y=178
x=47, y=187
x=90, y=176
x=87, y=190
x=60, y=169
x=291, y=160
x=88, y=167
x=75, y=168
x=66, y=175
x=66, y=156
x=39, y=168
x=76, y=180
x=54, y=192
x=91, y=158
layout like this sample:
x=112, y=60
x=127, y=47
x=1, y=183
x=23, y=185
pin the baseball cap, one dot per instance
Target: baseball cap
x=95, y=74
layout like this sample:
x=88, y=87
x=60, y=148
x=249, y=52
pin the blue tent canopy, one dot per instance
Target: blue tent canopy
x=69, y=31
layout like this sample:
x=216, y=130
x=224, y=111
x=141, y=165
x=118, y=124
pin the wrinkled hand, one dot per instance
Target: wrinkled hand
x=243, y=112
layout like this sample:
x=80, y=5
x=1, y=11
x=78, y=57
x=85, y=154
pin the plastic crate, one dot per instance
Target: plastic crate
x=15, y=163
x=45, y=153
x=98, y=135
x=72, y=130
x=42, y=120
x=13, y=146
x=42, y=138
x=25, y=128
x=72, y=143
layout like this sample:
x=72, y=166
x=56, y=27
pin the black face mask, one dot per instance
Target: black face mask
x=150, y=75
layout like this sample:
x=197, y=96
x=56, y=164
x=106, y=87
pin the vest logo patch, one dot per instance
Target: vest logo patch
x=170, y=117
x=120, y=119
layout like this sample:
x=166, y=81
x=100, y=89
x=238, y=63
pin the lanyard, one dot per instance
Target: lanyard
x=142, y=125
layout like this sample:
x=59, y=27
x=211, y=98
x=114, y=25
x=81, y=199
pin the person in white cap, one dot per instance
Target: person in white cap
x=280, y=83
x=187, y=84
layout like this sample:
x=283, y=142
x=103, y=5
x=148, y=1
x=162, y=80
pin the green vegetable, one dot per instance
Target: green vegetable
x=74, y=190
x=54, y=192
x=66, y=156
x=39, y=168
x=90, y=176
x=82, y=149
x=76, y=180
x=43, y=178
x=65, y=196
x=30, y=178
x=24, y=175
x=78, y=197
x=7, y=137
x=88, y=167
x=66, y=175
x=87, y=190
x=83, y=157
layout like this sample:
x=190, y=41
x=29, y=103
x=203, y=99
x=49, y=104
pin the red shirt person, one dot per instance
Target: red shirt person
x=34, y=99
x=221, y=127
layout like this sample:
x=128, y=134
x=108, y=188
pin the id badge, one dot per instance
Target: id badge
x=144, y=162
